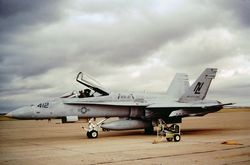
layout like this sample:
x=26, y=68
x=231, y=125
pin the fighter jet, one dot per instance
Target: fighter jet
x=132, y=110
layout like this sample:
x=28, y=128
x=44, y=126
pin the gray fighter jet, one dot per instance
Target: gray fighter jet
x=133, y=110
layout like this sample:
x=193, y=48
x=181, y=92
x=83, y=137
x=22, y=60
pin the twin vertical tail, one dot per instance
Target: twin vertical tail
x=199, y=88
x=178, y=86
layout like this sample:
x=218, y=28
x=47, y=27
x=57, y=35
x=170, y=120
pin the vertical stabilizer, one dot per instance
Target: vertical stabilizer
x=178, y=86
x=199, y=88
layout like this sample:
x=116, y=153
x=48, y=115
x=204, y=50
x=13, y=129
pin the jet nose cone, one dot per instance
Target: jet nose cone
x=20, y=113
x=9, y=115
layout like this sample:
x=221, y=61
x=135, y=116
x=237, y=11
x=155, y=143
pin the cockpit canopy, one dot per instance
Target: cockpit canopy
x=94, y=88
x=91, y=83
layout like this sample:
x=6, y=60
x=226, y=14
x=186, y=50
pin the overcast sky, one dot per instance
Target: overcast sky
x=126, y=45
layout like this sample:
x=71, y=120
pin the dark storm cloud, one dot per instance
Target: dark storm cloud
x=20, y=17
x=132, y=39
x=16, y=15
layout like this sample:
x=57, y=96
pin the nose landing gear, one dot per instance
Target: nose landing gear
x=92, y=130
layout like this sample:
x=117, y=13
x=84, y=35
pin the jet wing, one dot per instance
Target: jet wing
x=91, y=83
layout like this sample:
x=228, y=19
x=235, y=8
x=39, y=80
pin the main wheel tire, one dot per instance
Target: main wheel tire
x=169, y=139
x=93, y=134
x=177, y=138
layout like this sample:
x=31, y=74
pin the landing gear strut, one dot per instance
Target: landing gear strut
x=92, y=130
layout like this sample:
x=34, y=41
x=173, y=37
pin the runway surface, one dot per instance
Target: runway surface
x=40, y=143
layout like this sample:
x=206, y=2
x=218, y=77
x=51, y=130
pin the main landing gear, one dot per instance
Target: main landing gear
x=92, y=130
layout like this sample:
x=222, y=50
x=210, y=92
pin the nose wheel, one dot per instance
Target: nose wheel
x=92, y=130
x=92, y=134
